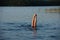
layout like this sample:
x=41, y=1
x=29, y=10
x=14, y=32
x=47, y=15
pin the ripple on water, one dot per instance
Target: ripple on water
x=2, y=39
x=53, y=36
x=24, y=31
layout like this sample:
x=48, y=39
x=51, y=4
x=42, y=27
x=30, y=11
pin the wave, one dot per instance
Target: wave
x=24, y=26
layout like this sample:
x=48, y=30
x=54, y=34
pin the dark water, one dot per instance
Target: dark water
x=24, y=31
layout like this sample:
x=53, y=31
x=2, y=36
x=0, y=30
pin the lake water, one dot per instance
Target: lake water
x=24, y=31
x=15, y=23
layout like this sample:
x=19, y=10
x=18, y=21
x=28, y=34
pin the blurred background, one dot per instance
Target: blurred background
x=29, y=2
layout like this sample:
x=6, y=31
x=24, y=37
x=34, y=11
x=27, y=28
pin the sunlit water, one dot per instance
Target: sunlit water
x=24, y=31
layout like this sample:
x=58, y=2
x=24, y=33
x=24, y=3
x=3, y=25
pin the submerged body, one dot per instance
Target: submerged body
x=34, y=21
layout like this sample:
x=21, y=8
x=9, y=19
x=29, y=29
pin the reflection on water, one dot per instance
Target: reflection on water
x=34, y=34
x=17, y=31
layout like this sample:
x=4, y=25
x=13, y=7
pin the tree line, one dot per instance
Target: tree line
x=26, y=2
